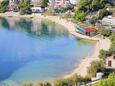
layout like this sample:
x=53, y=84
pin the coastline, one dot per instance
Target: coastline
x=84, y=63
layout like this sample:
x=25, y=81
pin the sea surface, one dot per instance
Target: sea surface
x=38, y=50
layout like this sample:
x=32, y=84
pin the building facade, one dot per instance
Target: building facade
x=13, y=5
x=35, y=2
x=110, y=62
x=59, y=3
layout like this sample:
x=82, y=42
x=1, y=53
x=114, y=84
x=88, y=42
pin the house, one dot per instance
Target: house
x=59, y=3
x=13, y=5
x=110, y=62
x=35, y=2
x=37, y=9
x=89, y=31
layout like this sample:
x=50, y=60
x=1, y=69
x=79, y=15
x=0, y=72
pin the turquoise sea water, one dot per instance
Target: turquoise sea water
x=38, y=50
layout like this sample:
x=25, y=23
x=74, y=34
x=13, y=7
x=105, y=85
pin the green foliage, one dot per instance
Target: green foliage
x=112, y=37
x=46, y=84
x=24, y=7
x=102, y=13
x=95, y=67
x=50, y=12
x=91, y=5
x=104, y=32
x=29, y=84
x=88, y=6
x=107, y=82
x=93, y=19
x=73, y=81
x=80, y=16
x=4, y=6
x=44, y=3
x=103, y=54
x=112, y=48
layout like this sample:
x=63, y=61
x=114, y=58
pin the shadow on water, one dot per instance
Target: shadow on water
x=4, y=22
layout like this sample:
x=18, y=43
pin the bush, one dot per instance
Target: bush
x=4, y=6
x=24, y=7
x=104, y=32
x=102, y=13
x=50, y=12
x=103, y=54
x=80, y=16
x=107, y=82
x=21, y=12
x=95, y=67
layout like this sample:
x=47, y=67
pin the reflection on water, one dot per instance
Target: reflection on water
x=32, y=50
x=36, y=28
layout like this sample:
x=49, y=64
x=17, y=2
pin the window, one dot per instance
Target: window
x=114, y=57
x=109, y=63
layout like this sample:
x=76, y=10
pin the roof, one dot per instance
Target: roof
x=79, y=29
x=89, y=29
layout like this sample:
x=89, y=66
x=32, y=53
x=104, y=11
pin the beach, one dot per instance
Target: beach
x=85, y=63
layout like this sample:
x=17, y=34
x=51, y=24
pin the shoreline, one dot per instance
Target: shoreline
x=81, y=69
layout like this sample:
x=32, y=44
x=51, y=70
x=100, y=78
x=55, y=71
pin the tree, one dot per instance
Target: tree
x=39, y=84
x=24, y=7
x=29, y=84
x=112, y=37
x=95, y=67
x=80, y=16
x=104, y=32
x=60, y=83
x=46, y=84
x=44, y=3
x=50, y=12
x=4, y=6
x=103, y=54
x=102, y=13
x=95, y=4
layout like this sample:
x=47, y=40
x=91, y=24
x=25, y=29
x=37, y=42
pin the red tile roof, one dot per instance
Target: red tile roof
x=89, y=29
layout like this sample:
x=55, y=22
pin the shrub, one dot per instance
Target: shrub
x=50, y=12
x=80, y=16
x=4, y=6
x=104, y=32
x=103, y=54
x=95, y=67
x=107, y=82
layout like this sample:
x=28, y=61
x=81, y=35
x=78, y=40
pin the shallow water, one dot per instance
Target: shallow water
x=38, y=50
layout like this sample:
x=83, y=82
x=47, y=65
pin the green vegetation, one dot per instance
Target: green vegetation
x=102, y=13
x=112, y=38
x=95, y=67
x=38, y=84
x=24, y=7
x=4, y=6
x=111, y=35
x=50, y=12
x=104, y=32
x=73, y=81
x=91, y=5
x=97, y=8
x=80, y=16
x=107, y=82
x=103, y=54
x=44, y=3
